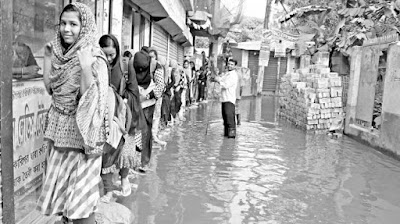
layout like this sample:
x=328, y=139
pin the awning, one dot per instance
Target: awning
x=170, y=15
x=185, y=37
x=153, y=7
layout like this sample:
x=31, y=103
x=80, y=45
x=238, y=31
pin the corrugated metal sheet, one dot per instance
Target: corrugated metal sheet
x=160, y=39
x=270, y=74
x=173, y=50
x=253, y=62
x=270, y=81
x=253, y=66
x=180, y=54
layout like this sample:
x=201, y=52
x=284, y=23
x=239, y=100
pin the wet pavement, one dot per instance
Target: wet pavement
x=271, y=173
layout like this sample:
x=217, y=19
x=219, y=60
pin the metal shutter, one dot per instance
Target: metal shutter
x=173, y=50
x=271, y=74
x=253, y=66
x=180, y=54
x=253, y=62
x=160, y=39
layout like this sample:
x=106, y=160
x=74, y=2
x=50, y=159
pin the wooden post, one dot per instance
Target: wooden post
x=6, y=146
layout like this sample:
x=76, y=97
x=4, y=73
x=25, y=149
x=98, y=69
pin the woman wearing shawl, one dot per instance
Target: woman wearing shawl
x=176, y=91
x=122, y=154
x=188, y=91
x=202, y=83
x=77, y=80
x=157, y=66
x=167, y=97
x=149, y=91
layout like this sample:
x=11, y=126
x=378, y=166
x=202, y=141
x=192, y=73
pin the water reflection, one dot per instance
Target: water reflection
x=271, y=173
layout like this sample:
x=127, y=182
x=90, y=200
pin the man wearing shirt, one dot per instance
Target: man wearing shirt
x=228, y=83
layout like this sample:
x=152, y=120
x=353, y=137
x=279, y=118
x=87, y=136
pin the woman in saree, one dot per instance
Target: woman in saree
x=121, y=155
x=76, y=76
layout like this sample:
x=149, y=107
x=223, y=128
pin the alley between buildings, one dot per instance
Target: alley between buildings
x=271, y=173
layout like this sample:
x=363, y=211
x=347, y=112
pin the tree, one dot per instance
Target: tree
x=348, y=22
x=250, y=29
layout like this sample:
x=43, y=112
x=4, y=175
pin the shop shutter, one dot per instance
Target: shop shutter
x=160, y=39
x=253, y=62
x=271, y=74
x=180, y=54
x=173, y=50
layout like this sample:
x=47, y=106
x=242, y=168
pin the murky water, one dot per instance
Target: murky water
x=271, y=173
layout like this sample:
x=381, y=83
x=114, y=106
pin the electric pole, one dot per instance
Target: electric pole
x=267, y=13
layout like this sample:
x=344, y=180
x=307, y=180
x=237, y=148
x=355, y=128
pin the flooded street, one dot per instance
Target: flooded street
x=271, y=173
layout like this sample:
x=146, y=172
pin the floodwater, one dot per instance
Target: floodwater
x=271, y=173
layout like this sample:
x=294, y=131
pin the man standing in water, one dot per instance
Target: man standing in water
x=228, y=82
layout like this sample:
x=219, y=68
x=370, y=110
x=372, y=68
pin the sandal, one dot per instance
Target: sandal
x=106, y=198
x=125, y=191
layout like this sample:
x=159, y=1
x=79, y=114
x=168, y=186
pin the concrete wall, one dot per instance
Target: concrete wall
x=387, y=138
x=390, y=132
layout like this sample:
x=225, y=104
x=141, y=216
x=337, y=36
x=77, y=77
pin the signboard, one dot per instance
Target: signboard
x=281, y=35
x=30, y=105
x=280, y=50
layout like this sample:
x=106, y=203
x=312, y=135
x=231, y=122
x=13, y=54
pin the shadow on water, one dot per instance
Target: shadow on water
x=271, y=173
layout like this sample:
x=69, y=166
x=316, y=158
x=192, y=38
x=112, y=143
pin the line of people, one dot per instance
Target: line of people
x=103, y=120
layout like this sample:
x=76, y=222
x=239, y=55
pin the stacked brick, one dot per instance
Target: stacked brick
x=312, y=98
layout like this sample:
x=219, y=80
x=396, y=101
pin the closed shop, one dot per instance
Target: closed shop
x=253, y=62
x=180, y=54
x=160, y=40
x=173, y=50
x=271, y=72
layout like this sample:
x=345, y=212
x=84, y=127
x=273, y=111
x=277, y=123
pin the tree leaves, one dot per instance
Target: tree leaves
x=351, y=21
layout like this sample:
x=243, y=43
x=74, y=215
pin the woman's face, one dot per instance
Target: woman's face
x=153, y=55
x=186, y=64
x=111, y=53
x=70, y=26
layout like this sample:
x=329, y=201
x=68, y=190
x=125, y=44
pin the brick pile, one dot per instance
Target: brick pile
x=311, y=98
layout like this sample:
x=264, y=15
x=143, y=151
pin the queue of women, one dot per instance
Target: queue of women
x=103, y=120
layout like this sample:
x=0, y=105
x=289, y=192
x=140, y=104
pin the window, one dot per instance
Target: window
x=379, y=87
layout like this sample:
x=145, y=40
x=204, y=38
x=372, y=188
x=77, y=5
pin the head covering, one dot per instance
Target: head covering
x=129, y=53
x=65, y=63
x=173, y=64
x=141, y=64
x=116, y=74
x=153, y=66
x=87, y=35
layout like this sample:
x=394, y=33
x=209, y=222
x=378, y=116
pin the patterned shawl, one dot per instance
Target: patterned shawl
x=65, y=63
x=88, y=108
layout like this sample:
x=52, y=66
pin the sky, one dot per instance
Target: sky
x=255, y=8
x=252, y=8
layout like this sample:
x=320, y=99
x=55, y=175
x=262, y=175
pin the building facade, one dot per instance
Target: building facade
x=373, y=105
